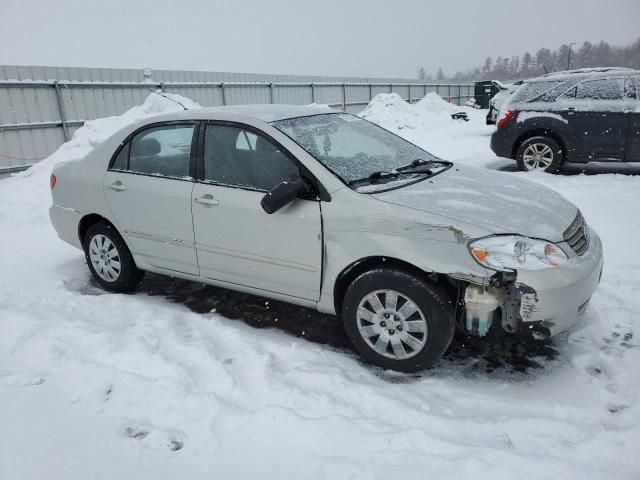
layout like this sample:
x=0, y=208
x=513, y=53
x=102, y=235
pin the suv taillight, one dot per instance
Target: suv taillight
x=508, y=115
x=52, y=181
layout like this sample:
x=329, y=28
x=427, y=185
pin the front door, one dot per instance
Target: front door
x=148, y=189
x=236, y=241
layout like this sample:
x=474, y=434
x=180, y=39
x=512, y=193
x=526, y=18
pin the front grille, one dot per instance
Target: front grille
x=577, y=235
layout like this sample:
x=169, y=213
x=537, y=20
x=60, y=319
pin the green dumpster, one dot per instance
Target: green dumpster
x=483, y=91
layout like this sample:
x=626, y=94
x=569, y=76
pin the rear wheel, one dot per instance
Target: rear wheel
x=396, y=320
x=109, y=259
x=540, y=153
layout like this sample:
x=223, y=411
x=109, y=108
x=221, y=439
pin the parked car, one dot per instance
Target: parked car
x=576, y=116
x=496, y=102
x=329, y=211
x=484, y=90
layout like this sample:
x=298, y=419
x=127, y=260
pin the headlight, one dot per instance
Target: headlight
x=511, y=252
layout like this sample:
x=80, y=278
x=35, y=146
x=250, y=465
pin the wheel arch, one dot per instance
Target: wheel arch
x=538, y=132
x=365, y=264
x=92, y=219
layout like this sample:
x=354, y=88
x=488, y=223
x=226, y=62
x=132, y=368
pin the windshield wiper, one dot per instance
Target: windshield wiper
x=419, y=162
x=411, y=169
x=379, y=175
x=374, y=177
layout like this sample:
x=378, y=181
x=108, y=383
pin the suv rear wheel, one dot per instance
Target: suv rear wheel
x=396, y=320
x=540, y=153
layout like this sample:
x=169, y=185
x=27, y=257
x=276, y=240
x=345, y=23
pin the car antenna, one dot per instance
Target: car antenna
x=168, y=98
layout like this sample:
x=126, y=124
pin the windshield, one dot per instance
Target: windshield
x=351, y=147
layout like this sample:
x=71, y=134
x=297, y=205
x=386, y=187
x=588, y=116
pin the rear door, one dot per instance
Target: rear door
x=148, y=188
x=595, y=112
x=236, y=241
x=632, y=92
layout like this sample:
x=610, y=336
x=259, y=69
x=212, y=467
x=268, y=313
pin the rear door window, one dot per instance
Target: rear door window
x=601, y=89
x=631, y=88
x=122, y=159
x=163, y=151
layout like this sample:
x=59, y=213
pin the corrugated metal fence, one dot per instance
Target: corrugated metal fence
x=41, y=107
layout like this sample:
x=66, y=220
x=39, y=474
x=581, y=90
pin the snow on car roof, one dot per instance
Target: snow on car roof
x=580, y=73
x=590, y=70
x=266, y=112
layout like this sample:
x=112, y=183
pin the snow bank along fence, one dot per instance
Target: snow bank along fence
x=41, y=107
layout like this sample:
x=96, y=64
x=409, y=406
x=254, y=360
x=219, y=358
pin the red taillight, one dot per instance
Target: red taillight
x=52, y=181
x=508, y=115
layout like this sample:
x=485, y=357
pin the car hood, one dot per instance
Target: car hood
x=494, y=201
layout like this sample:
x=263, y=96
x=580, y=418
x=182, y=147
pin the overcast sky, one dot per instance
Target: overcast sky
x=378, y=38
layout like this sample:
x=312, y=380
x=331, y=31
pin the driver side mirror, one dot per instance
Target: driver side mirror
x=282, y=194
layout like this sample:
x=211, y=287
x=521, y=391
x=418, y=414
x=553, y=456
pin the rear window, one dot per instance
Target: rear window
x=533, y=90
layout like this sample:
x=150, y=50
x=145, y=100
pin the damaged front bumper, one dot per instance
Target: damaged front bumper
x=552, y=300
x=542, y=303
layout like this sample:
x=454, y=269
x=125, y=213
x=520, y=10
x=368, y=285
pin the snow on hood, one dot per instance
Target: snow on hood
x=494, y=201
x=390, y=111
x=94, y=132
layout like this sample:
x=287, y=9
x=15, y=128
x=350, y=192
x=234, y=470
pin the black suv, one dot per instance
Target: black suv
x=577, y=116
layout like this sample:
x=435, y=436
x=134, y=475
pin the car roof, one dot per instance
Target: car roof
x=266, y=113
x=582, y=73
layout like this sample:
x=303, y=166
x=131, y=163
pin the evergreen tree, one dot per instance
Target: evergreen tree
x=545, y=60
x=525, y=68
x=486, y=69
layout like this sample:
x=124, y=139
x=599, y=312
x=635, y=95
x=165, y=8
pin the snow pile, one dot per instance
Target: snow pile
x=140, y=386
x=393, y=113
x=434, y=103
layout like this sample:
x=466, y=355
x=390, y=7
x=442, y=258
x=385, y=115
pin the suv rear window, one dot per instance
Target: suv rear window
x=533, y=90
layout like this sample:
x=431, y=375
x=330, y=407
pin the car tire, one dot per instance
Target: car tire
x=540, y=153
x=376, y=329
x=110, y=260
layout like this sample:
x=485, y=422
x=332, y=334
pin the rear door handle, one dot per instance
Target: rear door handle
x=206, y=199
x=117, y=186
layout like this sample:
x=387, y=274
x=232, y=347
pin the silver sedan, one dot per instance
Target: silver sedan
x=326, y=210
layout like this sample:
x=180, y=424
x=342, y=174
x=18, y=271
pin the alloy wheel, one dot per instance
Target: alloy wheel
x=537, y=156
x=392, y=324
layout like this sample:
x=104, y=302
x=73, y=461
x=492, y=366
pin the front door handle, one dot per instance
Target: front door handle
x=118, y=186
x=206, y=199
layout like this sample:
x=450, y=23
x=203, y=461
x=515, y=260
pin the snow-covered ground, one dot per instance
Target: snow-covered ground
x=159, y=384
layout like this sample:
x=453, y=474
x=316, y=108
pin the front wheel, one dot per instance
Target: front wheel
x=110, y=260
x=398, y=321
x=540, y=153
